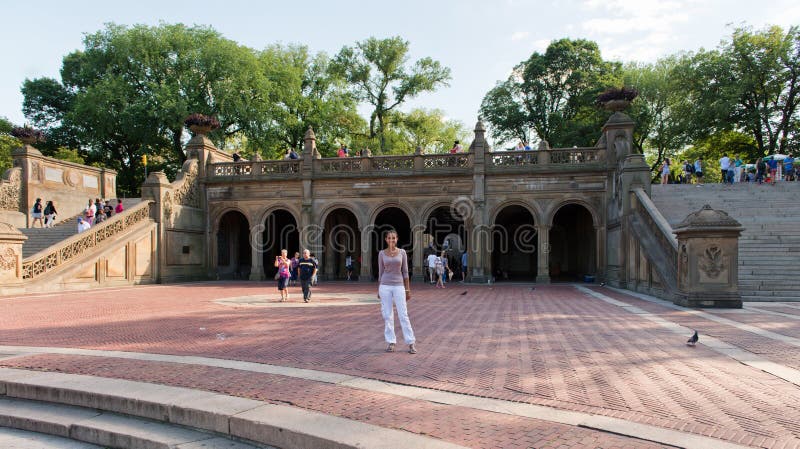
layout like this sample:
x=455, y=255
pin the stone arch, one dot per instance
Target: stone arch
x=533, y=208
x=323, y=215
x=514, y=242
x=233, y=255
x=341, y=237
x=446, y=229
x=573, y=246
x=379, y=223
x=279, y=229
x=551, y=213
x=381, y=207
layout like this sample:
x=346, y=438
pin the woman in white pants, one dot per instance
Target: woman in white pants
x=394, y=290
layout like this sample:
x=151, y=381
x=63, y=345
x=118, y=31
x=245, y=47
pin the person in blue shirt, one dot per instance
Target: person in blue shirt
x=464, y=266
x=698, y=170
x=788, y=168
x=773, y=169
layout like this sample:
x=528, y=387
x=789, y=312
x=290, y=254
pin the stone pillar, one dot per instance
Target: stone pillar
x=157, y=188
x=11, y=241
x=202, y=148
x=543, y=256
x=365, y=274
x=708, y=260
x=600, y=241
x=417, y=273
x=307, y=234
x=256, y=254
x=478, y=260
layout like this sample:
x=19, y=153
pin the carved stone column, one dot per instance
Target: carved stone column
x=365, y=274
x=11, y=241
x=256, y=254
x=417, y=274
x=157, y=188
x=708, y=260
x=543, y=255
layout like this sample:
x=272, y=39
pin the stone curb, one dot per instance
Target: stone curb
x=275, y=425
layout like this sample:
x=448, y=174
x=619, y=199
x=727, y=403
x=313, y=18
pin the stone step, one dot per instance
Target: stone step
x=228, y=417
x=758, y=298
x=22, y=439
x=104, y=428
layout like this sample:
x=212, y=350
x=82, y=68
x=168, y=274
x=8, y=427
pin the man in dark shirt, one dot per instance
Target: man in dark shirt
x=306, y=269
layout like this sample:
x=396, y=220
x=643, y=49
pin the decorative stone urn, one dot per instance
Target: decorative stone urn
x=708, y=260
x=616, y=105
x=200, y=130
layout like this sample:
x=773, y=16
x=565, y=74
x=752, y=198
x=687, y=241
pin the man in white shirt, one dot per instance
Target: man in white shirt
x=724, y=166
x=432, y=267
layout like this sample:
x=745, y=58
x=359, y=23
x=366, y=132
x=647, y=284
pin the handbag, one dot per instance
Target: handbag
x=277, y=275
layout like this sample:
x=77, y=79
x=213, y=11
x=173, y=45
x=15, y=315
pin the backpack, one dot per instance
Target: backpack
x=689, y=168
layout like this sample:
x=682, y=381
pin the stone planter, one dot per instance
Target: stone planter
x=616, y=105
x=200, y=130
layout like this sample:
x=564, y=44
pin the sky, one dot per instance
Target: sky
x=480, y=41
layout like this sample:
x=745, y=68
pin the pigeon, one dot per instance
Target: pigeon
x=692, y=340
x=463, y=293
x=533, y=288
x=602, y=284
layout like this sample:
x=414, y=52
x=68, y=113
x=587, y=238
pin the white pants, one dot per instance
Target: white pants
x=395, y=294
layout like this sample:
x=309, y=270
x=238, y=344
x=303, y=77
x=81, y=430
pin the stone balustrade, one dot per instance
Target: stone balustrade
x=500, y=161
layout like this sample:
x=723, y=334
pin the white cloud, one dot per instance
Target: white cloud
x=541, y=45
x=519, y=35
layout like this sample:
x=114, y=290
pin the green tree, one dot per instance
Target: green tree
x=750, y=83
x=553, y=95
x=430, y=130
x=379, y=73
x=129, y=89
x=712, y=147
x=306, y=93
x=7, y=144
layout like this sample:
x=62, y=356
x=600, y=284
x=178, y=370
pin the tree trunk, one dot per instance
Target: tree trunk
x=177, y=145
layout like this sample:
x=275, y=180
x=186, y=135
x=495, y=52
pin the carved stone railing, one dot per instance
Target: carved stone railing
x=651, y=228
x=448, y=160
x=80, y=244
x=392, y=163
x=513, y=158
x=576, y=155
x=256, y=168
x=338, y=165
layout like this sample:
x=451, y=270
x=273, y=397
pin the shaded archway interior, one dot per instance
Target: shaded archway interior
x=445, y=231
x=514, y=245
x=233, y=246
x=572, y=244
x=341, y=237
x=387, y=219
x=280, y=232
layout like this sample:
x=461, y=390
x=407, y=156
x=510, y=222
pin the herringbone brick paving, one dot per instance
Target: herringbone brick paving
x=464, y=426
x=553, y=346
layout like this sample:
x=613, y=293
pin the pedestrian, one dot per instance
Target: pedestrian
x=98, y=205
x=761, y=170
x=89, y=212
x=315, y=278
x=456, y=147
x=306, y=271
x=99, y=217
x=394, y=290
x=236, y=157
x=348, y=266
x=698, y=170
x=738, y=169
x=439, y=268
x=83, y=225
x=283, y=264
x=365, y=152
x=724, y=166
x=50, y=214
x=342, y=151
x=295, y=262
x=665, y=171
x=37, y=213
x=688, y=171
x=119, y=208
x=788, y=168
x=464, y=266
x=432, y=267
x=773, y=169
x=109, y=211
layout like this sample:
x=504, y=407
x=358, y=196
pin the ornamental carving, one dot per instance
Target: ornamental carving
x=8, y=259
x=187, y=193
x=36, y=171
x=10, y=188
x=712, y=262
x=167, y=208
x=70, y=178
x=683, y=267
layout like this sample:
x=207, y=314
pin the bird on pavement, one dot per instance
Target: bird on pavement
x=692, y=340
x=602, y=284
x=463, y=293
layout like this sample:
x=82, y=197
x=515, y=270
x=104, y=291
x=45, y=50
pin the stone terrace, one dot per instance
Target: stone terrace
x=594, y=351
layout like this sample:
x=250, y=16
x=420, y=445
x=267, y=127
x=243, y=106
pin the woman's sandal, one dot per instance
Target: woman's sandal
x=390, y=348
x=412, y=349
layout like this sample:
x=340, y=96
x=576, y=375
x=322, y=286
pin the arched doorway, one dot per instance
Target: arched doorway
x=572, y=244
x=340, y=238
x=514, y=245
x=280, y=232
x=233, y=246
x=445, y=231
x=391, y=218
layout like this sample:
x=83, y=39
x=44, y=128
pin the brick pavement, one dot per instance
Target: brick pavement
x=552, y=346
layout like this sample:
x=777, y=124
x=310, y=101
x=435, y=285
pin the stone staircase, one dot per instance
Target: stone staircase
x=769, y=248
x=41, y=238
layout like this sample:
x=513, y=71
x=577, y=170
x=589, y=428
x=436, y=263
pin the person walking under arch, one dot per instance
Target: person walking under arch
x=394, y=291
x=284, y=265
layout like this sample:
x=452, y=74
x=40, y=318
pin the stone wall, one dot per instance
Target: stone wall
x=67, y=184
